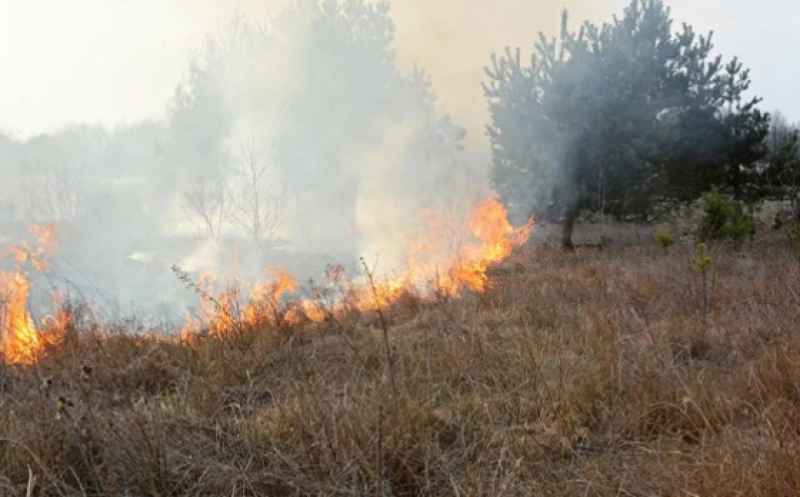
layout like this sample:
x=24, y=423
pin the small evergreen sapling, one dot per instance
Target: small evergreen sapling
x=664, y=236
x=724, y=218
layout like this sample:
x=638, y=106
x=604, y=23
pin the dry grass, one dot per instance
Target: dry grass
x=586, y=373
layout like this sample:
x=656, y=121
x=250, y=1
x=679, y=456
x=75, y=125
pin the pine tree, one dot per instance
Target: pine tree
x=619, y=119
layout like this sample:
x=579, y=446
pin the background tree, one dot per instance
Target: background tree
x=259, y=195
x=622, y=119
x=207, y=195
x=322, y=82
x=782, y=174
x=196, y=161
x=57, y=174
x=780, y=128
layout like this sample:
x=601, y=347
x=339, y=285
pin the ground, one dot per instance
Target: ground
x=583, y=373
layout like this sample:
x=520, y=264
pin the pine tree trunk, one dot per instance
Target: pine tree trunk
x=568, y=227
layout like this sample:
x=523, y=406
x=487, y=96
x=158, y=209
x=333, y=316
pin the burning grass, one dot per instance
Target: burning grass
x=432, y=271
x=20, y=341
x=590, y=373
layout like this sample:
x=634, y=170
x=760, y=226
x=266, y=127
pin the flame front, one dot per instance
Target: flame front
x=223, y=312
x=447, y=260
x=450, y=258
x=489, y=224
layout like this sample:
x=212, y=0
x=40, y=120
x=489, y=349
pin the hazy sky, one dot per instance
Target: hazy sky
x=119, y=60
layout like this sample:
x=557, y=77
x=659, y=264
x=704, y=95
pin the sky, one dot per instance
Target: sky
x=117, y=61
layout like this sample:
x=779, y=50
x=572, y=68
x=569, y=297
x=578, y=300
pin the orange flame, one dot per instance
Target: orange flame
x=20, y=341
x=447, y=260
x=489, y=239
x=372, y=298
x=486, y=239
x=224, y=312
x=305, y=310
x=265, y=306
x=498, y=238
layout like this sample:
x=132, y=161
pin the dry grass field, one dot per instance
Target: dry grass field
x=589, y=373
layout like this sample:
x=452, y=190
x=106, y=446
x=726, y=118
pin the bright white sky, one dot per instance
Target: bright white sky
x=119, y=60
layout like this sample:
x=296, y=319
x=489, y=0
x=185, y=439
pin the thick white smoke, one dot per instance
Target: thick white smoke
x=339, y=120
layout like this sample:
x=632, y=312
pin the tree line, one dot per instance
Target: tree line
x=630, y=119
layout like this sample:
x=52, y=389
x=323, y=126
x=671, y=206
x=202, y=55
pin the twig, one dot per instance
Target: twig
x=31, y=483
x=385, y=327
x=379, y=469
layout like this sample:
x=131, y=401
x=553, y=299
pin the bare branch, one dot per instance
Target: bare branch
x=260, y=200
x=55, y=190
x=208, y=199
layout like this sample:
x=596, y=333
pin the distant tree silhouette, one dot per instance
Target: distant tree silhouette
x=259, y=204
x=322, y=82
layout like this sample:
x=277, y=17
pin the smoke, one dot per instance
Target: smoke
x=451, y=39
x=454, y=41
x=355, y=131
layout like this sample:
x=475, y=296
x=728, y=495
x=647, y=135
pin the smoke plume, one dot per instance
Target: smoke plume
x=301, y=133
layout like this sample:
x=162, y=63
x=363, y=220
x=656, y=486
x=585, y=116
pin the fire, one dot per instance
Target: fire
x=223, y=311
x=448, y=259
x=489, y=224
x=305, y=310
x=265, y=306
x=217, y=308
x=376, y=296
x=19, y=339
x=453, y=258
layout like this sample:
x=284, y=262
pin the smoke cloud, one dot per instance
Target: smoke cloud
x=299, y=136
x=451, y=39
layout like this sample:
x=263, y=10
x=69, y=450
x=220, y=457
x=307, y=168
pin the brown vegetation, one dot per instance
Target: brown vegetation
x=582, y=373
